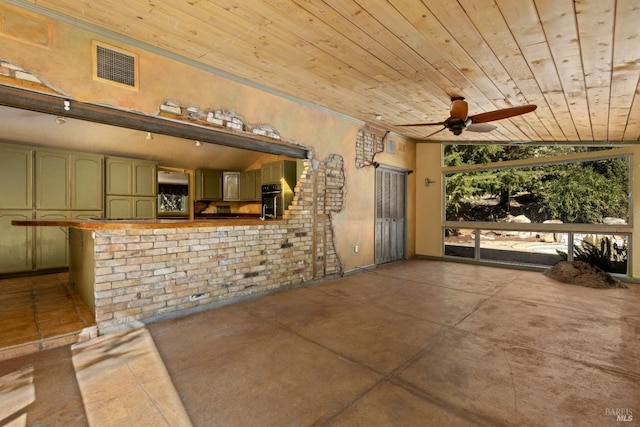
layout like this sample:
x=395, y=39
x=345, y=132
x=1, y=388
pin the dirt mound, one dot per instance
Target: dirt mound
x=583, y=274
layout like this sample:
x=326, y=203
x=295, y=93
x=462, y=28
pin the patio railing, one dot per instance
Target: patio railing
x=538, y=245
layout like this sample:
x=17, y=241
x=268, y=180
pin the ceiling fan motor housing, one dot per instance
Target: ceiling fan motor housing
x=455, y=124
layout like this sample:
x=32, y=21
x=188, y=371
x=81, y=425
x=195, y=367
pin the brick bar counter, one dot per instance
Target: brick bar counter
x=128, y=270
x=143, y=270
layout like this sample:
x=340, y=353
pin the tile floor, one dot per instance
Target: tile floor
x=408, y=344
x=40, y=312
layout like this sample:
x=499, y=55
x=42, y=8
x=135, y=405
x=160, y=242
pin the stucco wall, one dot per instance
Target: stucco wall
x=66, y=65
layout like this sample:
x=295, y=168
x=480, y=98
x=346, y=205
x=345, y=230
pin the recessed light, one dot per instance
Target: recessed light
x=60, y=120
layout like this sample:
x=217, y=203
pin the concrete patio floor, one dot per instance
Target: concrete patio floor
x=409, y=343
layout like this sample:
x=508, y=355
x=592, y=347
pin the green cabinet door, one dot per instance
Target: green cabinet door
x=145, y=207
x=282, y=171
x=119, y=206
x=145, y=179
x=53, y=190
x=51, y=243
x=86, y=182
x=16, y=253
x=208, y=185
x=250, y=186
x=16, y=177
x=247, y=186
x=271, y=172
x=119, y=176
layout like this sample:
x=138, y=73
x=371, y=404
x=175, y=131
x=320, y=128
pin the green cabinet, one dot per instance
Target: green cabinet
x=283, y=172
x=130, y=207
x=145, y=179
x=145, y=207
x=44, y=184
x=271, y=172
x=66, y=185
x=87, y=190
x=16, y=177
x=231, y=186
x=119, y=207
x=51, y=243
x=119, y=176
x=16, y=203
x=130, y=177
x=68, y=181
x=250, y=186
x=131, y=188
x=208, y=185
x=53, y=182
x=16, y=244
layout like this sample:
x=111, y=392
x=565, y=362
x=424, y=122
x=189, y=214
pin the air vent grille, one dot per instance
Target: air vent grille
x=115, y=66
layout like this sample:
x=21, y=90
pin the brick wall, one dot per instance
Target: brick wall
x=369, y=142
x=151, y=273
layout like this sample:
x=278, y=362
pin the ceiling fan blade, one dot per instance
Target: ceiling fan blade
x=505, y=113
x=431, y=134
x=424, y=124
x=459, y=108
x=480, y=127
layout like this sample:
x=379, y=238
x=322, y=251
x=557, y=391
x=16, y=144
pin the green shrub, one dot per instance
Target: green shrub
x=599, y=256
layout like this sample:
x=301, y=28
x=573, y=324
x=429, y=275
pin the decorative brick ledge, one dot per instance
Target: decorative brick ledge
x=215, y=118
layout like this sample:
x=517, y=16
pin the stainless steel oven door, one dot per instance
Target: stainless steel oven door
x=270, y=204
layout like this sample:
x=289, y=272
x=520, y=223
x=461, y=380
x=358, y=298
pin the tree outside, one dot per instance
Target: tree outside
x=578, y=192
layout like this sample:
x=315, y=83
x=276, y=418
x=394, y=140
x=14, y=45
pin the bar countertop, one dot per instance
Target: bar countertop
x=131, y=223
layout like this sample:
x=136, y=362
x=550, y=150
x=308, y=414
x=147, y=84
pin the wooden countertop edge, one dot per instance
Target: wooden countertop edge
x=84, y=224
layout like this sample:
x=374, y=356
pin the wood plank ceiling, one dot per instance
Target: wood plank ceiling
x=578, y=60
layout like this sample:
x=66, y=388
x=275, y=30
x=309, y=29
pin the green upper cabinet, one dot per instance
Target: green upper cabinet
x=208, y=185
x=281, y=172
x=271, y=172
x=119, y=176
x=53, y=190
x=68, y=181
x=145, y=179
x=129, y=177
x=86, y=182
x=250, y=185
x=16, y=177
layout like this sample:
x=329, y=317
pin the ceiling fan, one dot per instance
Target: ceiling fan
x=459, y=120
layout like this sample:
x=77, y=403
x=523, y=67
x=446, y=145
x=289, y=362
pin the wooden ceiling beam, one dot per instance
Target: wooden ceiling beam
x=60, y=106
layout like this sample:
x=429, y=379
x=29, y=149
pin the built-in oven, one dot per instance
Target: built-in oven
x=272, y=202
